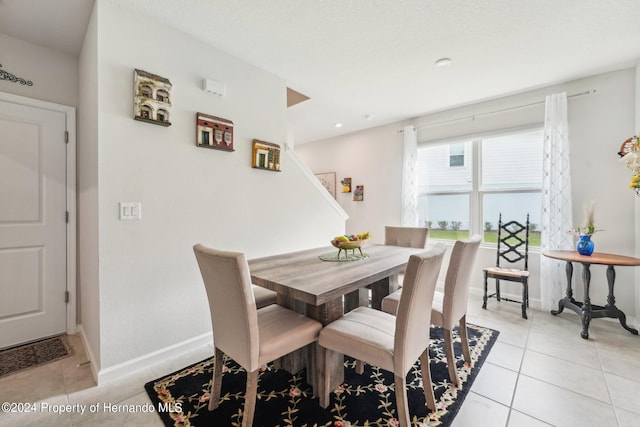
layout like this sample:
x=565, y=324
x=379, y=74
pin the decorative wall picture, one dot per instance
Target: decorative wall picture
x=358, y=194
x=328, y=181
x=152, y=98
x=266, y=155
x=346, y=185
x=214, y=132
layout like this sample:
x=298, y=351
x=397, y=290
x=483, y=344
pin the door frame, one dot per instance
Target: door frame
x=70, y=115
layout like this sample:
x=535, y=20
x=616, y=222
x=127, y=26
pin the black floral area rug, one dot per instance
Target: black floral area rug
x=37, y=353
x=283, y=399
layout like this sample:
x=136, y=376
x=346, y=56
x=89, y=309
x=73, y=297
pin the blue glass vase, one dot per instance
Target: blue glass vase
x=585, y=245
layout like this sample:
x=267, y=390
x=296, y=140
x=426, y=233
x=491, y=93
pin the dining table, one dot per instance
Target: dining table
x=314, y=283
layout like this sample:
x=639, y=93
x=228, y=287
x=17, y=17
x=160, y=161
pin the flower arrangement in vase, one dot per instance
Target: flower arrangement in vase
x=630, y=153
x=584, y=245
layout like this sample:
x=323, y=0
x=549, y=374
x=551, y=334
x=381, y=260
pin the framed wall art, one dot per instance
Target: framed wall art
x=328, y=181
x=346, y=185
x=214, y=132
x=152, y=98
x=358, y=193
x=265, y=156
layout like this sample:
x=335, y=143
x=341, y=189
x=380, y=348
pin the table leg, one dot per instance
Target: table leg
x=569, y=297
x=381, y=289
x=355, y=299
x=586, y=307
x=326, y=366
x=611, y=308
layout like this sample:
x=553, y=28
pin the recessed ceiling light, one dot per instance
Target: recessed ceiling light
x=338, y=125
x=442, y=62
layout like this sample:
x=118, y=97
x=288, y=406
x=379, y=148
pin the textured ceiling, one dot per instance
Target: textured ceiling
x=365, y=57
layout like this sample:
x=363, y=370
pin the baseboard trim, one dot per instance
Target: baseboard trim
x=150, y=359
x=89, y=353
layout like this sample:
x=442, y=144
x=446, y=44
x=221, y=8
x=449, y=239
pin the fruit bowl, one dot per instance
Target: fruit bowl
x=352, y=244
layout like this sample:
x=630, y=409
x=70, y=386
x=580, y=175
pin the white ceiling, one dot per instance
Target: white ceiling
x=376, y=57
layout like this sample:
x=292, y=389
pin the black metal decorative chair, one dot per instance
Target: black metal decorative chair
x=513, y=248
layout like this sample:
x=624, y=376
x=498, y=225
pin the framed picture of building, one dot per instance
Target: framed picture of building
x=214, y=132
x=265, y=156
x=152, y=98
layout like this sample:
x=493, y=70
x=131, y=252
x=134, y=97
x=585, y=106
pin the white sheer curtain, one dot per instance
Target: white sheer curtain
x=409, y=178
x=556, y=199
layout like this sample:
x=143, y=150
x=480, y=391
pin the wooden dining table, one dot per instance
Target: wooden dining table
x=315, y=288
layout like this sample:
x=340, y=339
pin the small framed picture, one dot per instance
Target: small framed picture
x=358, y=194
x=328, y=181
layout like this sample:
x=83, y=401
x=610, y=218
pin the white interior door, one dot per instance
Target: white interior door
x=33, y=253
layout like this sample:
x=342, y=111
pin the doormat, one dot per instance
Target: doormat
x=19, y=358
x=285, y=400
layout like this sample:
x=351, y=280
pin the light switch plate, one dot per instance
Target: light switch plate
x=130, y=211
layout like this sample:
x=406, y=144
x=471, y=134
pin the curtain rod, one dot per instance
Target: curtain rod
x=473, y=117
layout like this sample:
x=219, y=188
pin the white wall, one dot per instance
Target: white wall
x=87, y=169
x=598, y=124
x=372, y=158
x=54, y=74
x=151, y=294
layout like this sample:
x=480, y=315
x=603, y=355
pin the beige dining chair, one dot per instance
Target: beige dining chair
x=408, y=237
x=450, y=308
x=250, y=336
x=393, y=343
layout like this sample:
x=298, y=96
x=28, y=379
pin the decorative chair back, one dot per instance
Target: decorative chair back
x=511, y=241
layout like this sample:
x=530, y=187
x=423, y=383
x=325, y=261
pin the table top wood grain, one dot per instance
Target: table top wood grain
x=305, y=277
x=594, y=258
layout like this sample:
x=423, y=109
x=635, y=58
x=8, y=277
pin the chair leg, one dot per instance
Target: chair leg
x=498, y=289
x=451, y=360
x=484, y=298
x=216, y=382
x=427, y=386
x=464, y=340
x=401, y=401
x=250, y=398
x=525, y=292
x=359, y=367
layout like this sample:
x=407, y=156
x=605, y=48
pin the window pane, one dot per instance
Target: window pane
x=456, y=155
x=512, y=161
x=446, y=216
x=435, y=172
x=514, y=207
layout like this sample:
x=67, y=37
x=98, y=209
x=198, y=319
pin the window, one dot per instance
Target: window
x=162, y=95
x=456, y=155
x=464, y=185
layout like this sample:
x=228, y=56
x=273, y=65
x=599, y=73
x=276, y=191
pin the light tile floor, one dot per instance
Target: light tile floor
x=539, y=373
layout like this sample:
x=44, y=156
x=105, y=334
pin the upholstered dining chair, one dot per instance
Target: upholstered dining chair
x=408, y=237
x=250, y=336
x=450, y=308
x=392, y=342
